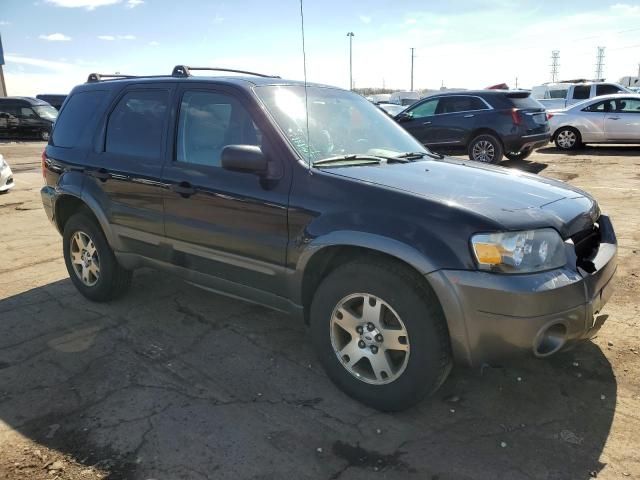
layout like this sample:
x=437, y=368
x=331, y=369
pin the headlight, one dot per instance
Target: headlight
x=2, y=162
x=519, y=252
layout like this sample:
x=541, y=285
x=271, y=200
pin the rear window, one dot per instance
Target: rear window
x=523, y=100
x=77, y=116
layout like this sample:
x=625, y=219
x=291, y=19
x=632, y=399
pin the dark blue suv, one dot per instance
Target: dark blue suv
x=488, y=124
x=309, y=200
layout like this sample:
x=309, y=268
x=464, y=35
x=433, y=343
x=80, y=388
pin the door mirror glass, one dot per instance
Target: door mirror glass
x=244, y=158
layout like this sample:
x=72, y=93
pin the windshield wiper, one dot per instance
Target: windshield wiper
x=358, y=158
x=416, y=155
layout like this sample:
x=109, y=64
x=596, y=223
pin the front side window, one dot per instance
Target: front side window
x=425, y=109
x=606, y=89
x=581, y=92
x=47, y=112
x=136, y=124
x=207, y=123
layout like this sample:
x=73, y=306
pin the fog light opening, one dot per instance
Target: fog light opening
x=550, y=340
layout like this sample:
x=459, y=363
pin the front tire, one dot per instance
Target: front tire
x=380, y=334
x=92, y=266
x=485, y=149
x=567, y=138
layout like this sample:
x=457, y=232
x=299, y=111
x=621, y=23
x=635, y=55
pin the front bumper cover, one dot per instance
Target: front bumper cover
x=492, y=317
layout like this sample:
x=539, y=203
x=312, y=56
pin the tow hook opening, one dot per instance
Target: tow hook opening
x=550, y=339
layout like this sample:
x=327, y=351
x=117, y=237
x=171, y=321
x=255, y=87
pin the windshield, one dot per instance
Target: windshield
x=340, y=123
x=47, y=112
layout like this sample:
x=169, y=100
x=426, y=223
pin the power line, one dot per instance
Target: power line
x=555, y=58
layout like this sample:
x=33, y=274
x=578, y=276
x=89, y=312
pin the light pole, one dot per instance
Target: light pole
x=412, y=57
x=350, y=35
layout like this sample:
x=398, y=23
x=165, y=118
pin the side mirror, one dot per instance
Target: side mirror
x=4, y=115
x=403, y=117
x=244, y=158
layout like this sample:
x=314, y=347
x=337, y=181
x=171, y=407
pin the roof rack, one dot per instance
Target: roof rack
x=98, y=77
x=185, y=71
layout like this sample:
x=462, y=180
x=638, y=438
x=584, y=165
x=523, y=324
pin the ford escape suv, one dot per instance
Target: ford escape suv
x=310, y=200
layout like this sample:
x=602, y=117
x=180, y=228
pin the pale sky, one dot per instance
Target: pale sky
x=52, y=45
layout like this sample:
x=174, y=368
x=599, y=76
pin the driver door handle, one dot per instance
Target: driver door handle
x=426, y=123
x=614, y=118
x=184, y=189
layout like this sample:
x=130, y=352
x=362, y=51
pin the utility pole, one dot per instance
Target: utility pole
x=516, y=83
x=350, y=35
x=412, y=57
x=555, y=58
x=600, y=63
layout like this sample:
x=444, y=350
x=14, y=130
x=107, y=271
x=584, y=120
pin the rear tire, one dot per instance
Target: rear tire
x=567, y=138
x=91, y=263
x=521, y=155
x=414, y=367
x=44, y=135
x=485, y=149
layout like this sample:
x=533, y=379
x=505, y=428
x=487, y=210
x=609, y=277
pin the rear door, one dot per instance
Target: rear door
x=126, y=169
x=458, y=115
x=623, y=123
x=419, y=120
x=228, y=225
x=9, y=119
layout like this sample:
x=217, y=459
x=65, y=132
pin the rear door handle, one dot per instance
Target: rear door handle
x=471, y=115
x=184, y=189
x=614, y=118
x=101, y=174
x=426, y=123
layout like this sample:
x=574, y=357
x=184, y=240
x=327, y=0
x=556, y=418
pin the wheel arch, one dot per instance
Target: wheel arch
x=572, y=127
x=483, y=131
x=67, y=204
x=324, y=256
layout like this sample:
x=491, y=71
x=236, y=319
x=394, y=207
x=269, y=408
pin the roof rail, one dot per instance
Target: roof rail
x=98, y=77
x=185, y=71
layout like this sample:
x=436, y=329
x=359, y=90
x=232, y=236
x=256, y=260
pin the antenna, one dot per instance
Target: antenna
x=600, y=63
x=306, y=97
x=555, y=57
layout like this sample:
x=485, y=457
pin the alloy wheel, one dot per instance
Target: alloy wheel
x=567, y=138
x=369, y=338
x=84, y=258
x=483, y=151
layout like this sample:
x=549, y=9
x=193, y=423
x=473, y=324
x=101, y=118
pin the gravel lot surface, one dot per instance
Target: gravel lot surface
x=174, y=383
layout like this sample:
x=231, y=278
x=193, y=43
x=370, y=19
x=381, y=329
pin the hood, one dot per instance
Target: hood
x=514, y=199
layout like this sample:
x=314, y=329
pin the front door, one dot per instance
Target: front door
x=227, y=225
x=419, y=121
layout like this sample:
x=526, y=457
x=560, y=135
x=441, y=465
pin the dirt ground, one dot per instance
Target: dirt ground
x=174, y=383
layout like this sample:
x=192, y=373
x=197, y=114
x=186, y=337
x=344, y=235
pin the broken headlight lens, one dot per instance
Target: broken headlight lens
x=519, y=252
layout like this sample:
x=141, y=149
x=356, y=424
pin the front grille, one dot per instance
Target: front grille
x=586, y=245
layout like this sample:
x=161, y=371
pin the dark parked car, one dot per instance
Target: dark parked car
x=25, y=117
x=55, y=100
x=400, y=260
x=486, y=123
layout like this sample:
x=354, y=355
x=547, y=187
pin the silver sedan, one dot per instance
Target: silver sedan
x=605, y=119
x=6, y=176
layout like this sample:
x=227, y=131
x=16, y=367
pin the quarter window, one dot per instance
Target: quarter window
x=208, y=122
x=77, y=117
x=136, y=124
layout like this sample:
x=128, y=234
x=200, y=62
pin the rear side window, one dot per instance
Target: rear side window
x=77, y=116
x=136, y=124
x=460, y=103
x=581, y=92
x=606, y=89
